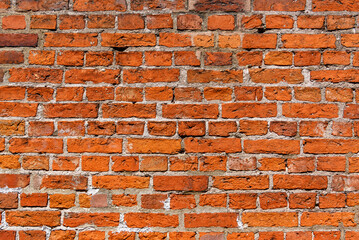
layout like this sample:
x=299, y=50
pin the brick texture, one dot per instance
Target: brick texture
x=179, y=119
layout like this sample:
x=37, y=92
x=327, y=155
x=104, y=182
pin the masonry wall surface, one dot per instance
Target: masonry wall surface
x=179, y=119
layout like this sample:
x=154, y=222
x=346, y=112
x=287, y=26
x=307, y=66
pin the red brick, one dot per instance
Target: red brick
x=336, y=58
x=325, y=146
x=13, y=22
x=182, y=235
x=42, y=5
x=101, y=21
x=98, y=219
x=229, y=41
x=309, y=219
x=242, y=163
x=272, y=164
x=220, y=22
x=9, y=162
x=270, y=219
x=157, y=58
x=120, y=182
x=301, y=164
x=36, y=75
x=279, y=21
x=175, y=40
x=18, y=40
x=64, y=163
x=227, y=145
x=101, y=5
x=188, y=94
x=299, y=182
x=193, y=111
x=152, y=5
x=71, y=110
x=249, y=58
x=64, y=182
x=36, y=145
x=252, y=110
x=281, y=58
x=259, y=41
x=150, y=75
x=99, y=58
x=213, y=200
x=73, y=128
x=180, y=183
x=308, y=41
x=248, y=93
x=14, y=180
x=8, y=201
x=212, y=163
x=302, y=200
x=125, y=200
x=40, y=94
x=140, y=220
x=330, y=5
x=42, y=57
x=130, y=22
x=128, y=39
x=12, y=93
x=159, y=21
x=340, y=22
x=331, y=164
x=243, y=200
x=70, y=58
x=165, y=146
x=279, y=146
x=5, y=4
x=35, y=162
x=195, y=220
x=306, y=58
x=43, y=22
x=130, y=128
x=332, y=200
x=95, y=163
x=302, y=110
x=226, y=6
x=12, y=127
x=99, y=145
x=310, y=21
x=183, y=163
x=206, y=76
x=101, y=128
x=33, y=218
x=312, y=128
x=153, y=201
x=62, y=201
x=183, y=58
x=162, y=128
x=189, y=22
x=125, y=164
x=71, y=22
x=241, y=182
x=279, y=5
x=223, y=129
x=32, y=234
x=153, y=164
x=284, y=128
x=33, y=200
x=70, y=39
x=252, y=21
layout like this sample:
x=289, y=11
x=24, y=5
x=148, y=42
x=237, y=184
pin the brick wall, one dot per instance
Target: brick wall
x=179, y=119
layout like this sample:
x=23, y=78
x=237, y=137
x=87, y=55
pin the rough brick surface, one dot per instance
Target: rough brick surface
x=179, y=119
